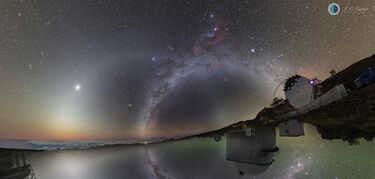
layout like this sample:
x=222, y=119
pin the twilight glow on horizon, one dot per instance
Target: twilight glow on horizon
x=77, y=70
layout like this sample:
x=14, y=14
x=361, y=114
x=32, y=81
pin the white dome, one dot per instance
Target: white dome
x=301, y=93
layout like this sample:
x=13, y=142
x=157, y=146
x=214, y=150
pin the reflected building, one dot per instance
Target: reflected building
x=252, y=149
x=217, y=137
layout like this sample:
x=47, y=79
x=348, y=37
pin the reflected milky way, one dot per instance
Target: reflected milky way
x=308, y=156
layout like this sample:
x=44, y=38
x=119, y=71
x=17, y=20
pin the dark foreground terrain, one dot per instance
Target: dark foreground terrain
x=349, y=119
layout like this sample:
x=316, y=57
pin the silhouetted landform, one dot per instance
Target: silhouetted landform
x=349, y=118
x=138, y=143
x=13, y=165
x=30, y=145
x=82, y=146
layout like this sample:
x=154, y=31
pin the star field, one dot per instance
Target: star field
x=141, y=69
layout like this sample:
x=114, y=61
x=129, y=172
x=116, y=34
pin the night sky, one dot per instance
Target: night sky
x=72, y=70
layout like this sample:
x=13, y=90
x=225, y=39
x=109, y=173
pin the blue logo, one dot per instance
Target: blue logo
x=333, y=9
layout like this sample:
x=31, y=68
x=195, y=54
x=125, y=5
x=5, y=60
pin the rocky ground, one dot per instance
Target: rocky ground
x=348, y=119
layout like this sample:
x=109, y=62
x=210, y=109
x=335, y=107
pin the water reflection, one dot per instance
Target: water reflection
x=252, y=149
x=307, y=156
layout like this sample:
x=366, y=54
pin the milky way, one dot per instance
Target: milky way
x=136, y=69
x=221, y=60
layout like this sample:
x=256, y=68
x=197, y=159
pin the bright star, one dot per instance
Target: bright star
x=77, y=87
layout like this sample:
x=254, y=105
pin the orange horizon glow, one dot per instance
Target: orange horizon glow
x=75, y=135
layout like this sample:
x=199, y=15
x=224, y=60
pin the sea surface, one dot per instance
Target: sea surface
x=302, y=157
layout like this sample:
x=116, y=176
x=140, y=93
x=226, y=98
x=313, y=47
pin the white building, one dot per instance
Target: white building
x=300, y=93
x=291, y=128
x=336, y=93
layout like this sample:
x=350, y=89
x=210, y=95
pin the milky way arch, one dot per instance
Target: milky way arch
x=175, y=71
